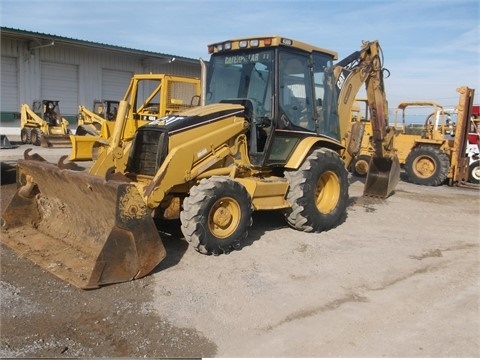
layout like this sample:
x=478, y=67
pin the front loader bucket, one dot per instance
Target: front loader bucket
x=85, y=230
x=57, y=141
x=82, y=147
x=382, y=177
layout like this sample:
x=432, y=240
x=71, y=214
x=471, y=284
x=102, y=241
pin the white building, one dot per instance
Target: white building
x=36, y=66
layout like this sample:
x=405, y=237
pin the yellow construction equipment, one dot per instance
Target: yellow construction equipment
x=91, y=122
x=360, y=161
x=43, y=125
x=473, y=149
x=435, y=152
x=150, y=96
x=274, y=121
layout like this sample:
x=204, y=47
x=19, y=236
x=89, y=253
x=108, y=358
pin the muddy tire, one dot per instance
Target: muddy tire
x=318, y=192
x=25, y=136
x=36, y=136
x=474, y=172
x=216, y=216
x=427, y=165
x=360, y=165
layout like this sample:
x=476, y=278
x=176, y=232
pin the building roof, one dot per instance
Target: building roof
x=42, y=38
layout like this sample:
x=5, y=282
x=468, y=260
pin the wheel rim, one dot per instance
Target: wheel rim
x=424, y=167
x=361, y=167
x=224, y=217
x=327, y=192
x=476, y=173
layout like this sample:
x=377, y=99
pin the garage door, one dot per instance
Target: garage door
x=60, y=82
x=114, y=83
x=9, y=89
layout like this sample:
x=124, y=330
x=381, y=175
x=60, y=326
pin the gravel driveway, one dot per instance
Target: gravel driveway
x=399, y=278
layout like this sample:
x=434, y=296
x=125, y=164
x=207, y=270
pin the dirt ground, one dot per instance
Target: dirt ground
x=399, y=278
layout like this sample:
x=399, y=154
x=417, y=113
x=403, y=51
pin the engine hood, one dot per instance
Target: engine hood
x=196, y=116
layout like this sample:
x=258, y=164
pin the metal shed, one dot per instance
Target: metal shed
x=38, y=66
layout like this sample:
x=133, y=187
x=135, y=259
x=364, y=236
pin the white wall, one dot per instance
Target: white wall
x=90, y=63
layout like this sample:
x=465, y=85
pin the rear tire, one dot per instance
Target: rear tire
x=427, y=165
x=360, y=165
x=217, y=215
x=474, y=172
x=36, y=136
x=318, y=192
x=25, y=136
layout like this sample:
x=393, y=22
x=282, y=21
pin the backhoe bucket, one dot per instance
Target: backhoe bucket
x=382, y=177
x=83, y=229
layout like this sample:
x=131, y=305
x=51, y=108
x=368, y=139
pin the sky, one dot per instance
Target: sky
x=430, y=47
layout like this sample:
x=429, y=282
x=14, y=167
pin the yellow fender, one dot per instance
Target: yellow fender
x=305, y=146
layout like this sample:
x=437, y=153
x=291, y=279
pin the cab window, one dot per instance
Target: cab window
x=295, y=98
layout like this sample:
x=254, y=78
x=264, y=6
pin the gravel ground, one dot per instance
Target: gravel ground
x=399, y=278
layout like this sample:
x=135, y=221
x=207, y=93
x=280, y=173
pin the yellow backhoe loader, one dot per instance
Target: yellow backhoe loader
x=43, y=125
x=150, y=96
x=274, y=121
x=434, y=152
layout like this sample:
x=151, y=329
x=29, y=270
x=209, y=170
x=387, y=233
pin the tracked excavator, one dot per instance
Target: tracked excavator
x=272, y=133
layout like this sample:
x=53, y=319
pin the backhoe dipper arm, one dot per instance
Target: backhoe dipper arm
x=364, y=67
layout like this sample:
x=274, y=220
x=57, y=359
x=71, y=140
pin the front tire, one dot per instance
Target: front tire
x=25, y=136
x=427, y=165
x=474, y=172
x=217, y=215
x=318, y=192
x=36, y=136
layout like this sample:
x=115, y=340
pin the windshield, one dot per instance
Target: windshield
x=242, y=76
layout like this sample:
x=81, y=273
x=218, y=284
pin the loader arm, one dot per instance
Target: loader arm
x=89, y=117
x=27, y=116
x=88, y=120
x=113, y=154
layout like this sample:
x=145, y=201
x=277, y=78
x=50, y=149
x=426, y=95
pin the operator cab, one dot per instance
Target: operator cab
x=49, y=110
x=286, y=87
